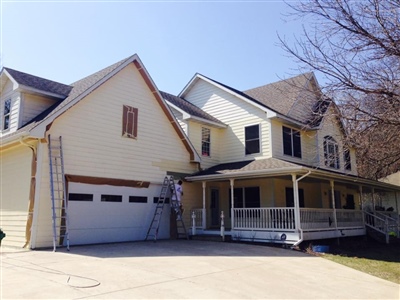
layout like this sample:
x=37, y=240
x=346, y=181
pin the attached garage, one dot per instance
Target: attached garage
x=105, y=213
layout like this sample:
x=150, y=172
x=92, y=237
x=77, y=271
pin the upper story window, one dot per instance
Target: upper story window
x=205, y=141
x=331, y=152
x=347, y=159
x=129, y=122
x=252, y=139
x=291, y=142
x=6, y=115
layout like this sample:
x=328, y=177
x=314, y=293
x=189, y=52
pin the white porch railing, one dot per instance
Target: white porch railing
x=283, y=218
x=264, y=218
x=198, y=213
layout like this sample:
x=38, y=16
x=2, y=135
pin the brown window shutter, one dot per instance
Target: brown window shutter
x=129, y=121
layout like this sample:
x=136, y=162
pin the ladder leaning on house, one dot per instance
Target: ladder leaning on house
x=58, y=193
x=168, y=188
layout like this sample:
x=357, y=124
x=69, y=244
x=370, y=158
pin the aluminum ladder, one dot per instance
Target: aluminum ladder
x=168, y=188
x=58, y=192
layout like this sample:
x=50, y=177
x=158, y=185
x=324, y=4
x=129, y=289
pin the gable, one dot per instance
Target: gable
x=92, y=135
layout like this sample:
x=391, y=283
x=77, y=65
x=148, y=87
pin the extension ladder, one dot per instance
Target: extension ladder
x=59, y=203
x=168, y=188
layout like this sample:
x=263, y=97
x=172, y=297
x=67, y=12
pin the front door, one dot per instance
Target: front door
x=214, y=207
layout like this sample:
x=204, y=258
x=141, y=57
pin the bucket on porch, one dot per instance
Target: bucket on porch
x=320, y=248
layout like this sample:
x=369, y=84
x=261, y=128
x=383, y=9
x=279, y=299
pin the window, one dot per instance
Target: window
x=205, y=141
x=331, y=152
x=7, y=112
x=252, y=139
x=80, y=197
x=129, y=122
x=347, y=159
x=290, y=197
x=291, y=142
x=137, y=199
x=111, y=198
x=248, y=197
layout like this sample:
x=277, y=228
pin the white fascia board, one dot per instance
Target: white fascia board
x=40, y=129
x=5, y=140
x=294, y=122
x=14, y=82
x=30, y=90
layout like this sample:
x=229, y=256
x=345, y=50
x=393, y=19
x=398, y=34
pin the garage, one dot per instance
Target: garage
x=107, y=213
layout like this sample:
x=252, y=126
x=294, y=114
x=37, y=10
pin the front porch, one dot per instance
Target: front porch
x=278, y=225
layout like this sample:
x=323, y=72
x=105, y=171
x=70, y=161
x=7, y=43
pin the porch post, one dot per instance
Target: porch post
x=333, y=202
x=232, y=202
x=397, y=205
x=203, y=219
x=360, y=197
x=373, y=199
x=296, y=203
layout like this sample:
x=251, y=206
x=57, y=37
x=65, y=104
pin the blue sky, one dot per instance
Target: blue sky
x=234, y=42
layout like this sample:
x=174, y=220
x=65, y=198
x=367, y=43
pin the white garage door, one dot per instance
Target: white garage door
x=106, y=214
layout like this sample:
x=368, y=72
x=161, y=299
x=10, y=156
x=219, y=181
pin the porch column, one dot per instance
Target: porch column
x=333, y=202
x=203, y=219
x=296, y=203
x=395, y=200
x=360, y=197
x=373, y=199
x=232, y=202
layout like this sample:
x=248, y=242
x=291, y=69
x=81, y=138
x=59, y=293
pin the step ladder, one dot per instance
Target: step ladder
x=58, y=193
x=168, y=188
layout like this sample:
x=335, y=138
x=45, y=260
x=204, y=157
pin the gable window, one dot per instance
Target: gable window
x=6, y=115
x=347, y=159
x=291, y=142
x=205, y=141
x=129, y=122
x=331, y=152
x=252, y=139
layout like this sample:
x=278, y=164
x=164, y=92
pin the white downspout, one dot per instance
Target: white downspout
x=203, y=225
x=297, y=206
x=232, y=202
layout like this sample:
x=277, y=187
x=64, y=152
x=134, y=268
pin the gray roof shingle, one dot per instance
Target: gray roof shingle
x=188, y=107
x=39, y=83
x=246, y=166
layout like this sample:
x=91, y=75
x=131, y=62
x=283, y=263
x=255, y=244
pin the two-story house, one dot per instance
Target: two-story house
x=118, y=141
x=274, y=161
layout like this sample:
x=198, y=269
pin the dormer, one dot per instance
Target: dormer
x=23, y=97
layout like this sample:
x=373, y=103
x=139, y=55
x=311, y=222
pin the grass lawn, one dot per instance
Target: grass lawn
x=366, y=255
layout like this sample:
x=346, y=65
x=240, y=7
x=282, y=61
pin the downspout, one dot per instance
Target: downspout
x=203, y=225
x=232, y=202
x=297, y=206
x=31, y=205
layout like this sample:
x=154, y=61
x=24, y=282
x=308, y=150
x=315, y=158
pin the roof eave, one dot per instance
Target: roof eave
x=30, y=90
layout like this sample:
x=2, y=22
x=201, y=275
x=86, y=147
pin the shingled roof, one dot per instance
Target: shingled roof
x=39, y=83
x=189, y=108
x=294, y=97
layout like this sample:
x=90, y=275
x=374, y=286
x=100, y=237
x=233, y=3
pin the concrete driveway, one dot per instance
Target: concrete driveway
x=180, y=269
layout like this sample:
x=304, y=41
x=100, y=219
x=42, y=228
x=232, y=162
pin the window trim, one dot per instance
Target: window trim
x=253, y=139
x=129, y=124
x=294, y=152
x=205, y=145
x=347, y=159
x=6, y=115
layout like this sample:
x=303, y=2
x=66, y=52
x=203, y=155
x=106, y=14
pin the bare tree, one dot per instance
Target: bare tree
x=355, y=46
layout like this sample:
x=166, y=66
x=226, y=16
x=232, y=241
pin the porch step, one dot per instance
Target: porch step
x=210, y=237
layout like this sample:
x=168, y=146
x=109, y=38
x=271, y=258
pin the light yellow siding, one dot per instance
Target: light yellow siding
x=308, y=145
x=330, y=127
x=237, y=114
x=14, y=193
x=32, y=106
x=93, y=144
